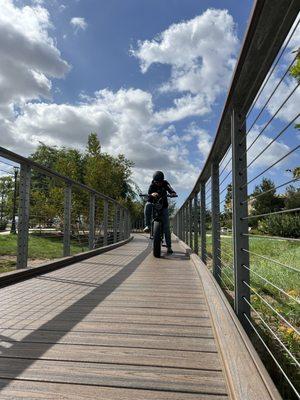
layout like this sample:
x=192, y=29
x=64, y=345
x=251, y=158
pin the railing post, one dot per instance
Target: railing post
x=121, y=223
x=195, y=225
x=240, y=225
x=105, y=222
x=203, y=222
x=215, y=210
x=180, y=224
x=23, y=219
x=129, y=224
x=115, y=223
x=186, y=223
x=126, y=224
x=92, y=221
x=191, y=222
x=67, y=220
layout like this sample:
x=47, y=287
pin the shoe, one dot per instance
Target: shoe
x=146, y=229
x=169, y=251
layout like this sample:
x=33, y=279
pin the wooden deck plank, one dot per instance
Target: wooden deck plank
x=126, y=376
x=53, y=391
x=116, y=355
x=100, y=319
x=118, y=325
x=105, y=339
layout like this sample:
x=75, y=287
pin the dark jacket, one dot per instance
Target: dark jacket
x=162, y=191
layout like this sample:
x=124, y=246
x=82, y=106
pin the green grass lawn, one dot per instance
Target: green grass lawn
x=41, y=248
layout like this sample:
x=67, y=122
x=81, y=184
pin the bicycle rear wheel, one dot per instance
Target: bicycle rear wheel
x=157, y=239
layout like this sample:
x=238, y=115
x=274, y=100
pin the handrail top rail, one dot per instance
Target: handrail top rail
x=10, y=155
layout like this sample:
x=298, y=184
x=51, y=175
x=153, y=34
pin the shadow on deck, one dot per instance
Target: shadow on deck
x=125, y=325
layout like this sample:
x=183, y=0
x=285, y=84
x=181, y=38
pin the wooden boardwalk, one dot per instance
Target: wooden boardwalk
x=121, y=325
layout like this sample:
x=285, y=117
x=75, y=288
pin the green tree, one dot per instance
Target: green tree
x=267, y=201
x=292, y=197
x=295, y=72
x=101, y=171
x=93, y=146
x=6, y=193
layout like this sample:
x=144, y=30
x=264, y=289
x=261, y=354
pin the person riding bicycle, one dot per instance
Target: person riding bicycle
x=159, y=188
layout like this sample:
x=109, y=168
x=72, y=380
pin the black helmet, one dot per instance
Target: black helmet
x=158, y=176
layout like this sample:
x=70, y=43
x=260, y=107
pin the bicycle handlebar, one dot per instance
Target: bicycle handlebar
x=168, y=195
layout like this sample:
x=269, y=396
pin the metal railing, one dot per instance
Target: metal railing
x=217, y=218
x=86, y=220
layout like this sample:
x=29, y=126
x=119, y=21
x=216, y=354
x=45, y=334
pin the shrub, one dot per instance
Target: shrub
x=3, y=225
x=286, y=225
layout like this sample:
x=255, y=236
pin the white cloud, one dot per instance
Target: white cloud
x=124, y=121
x=201, y=53
x=286, y=87
x=185, y=106
x=29, y=56
x=78, y=23
x=273, y=153
x=202, y=137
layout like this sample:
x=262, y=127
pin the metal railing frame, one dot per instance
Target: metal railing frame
x=121, y=229
x=270, y=22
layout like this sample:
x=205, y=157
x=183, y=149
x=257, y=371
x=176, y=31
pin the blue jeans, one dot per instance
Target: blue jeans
x=165, y=218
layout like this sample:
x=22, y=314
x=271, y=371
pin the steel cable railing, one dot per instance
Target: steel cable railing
x=270, y=73
x=54, y=215
x=249, y=225
x=272, y=284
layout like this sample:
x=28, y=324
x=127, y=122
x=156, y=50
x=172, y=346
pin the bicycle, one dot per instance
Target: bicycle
x=157, y=228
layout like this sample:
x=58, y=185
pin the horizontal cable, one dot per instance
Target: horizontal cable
x=272, y=213
x=222, y=191
x=272, y=141
x=272, y=308
x=224, y=283
x=5, y=162
x=270, y=190
x=272, y=165
x=272, y=284
x=224, y=157
x=223, y=272
x=226, y=254
x=226, y=244
x=6, y=172
x=230, y=266
x=271, y=260
x=271, y=354
x=269, y=98
x=271, y=237
x=225, y=167
x=223, y=201
x=224, y=179
x=271, y=72
x=273, y=333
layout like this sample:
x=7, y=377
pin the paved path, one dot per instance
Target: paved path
x=121, y=325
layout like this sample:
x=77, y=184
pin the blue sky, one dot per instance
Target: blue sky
x=150, y=77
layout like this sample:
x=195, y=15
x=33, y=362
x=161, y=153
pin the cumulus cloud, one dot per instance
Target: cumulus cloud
x=78, y=23
x=286, y=90
x=29, y=57
x=201, y=136
x=274, y=152
x=201, y=53
x=124, y=121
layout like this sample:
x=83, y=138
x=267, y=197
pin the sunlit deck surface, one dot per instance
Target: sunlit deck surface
x=120, y=325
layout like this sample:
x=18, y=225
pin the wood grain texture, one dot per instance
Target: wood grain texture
x=117, y=326
x=246, y=375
